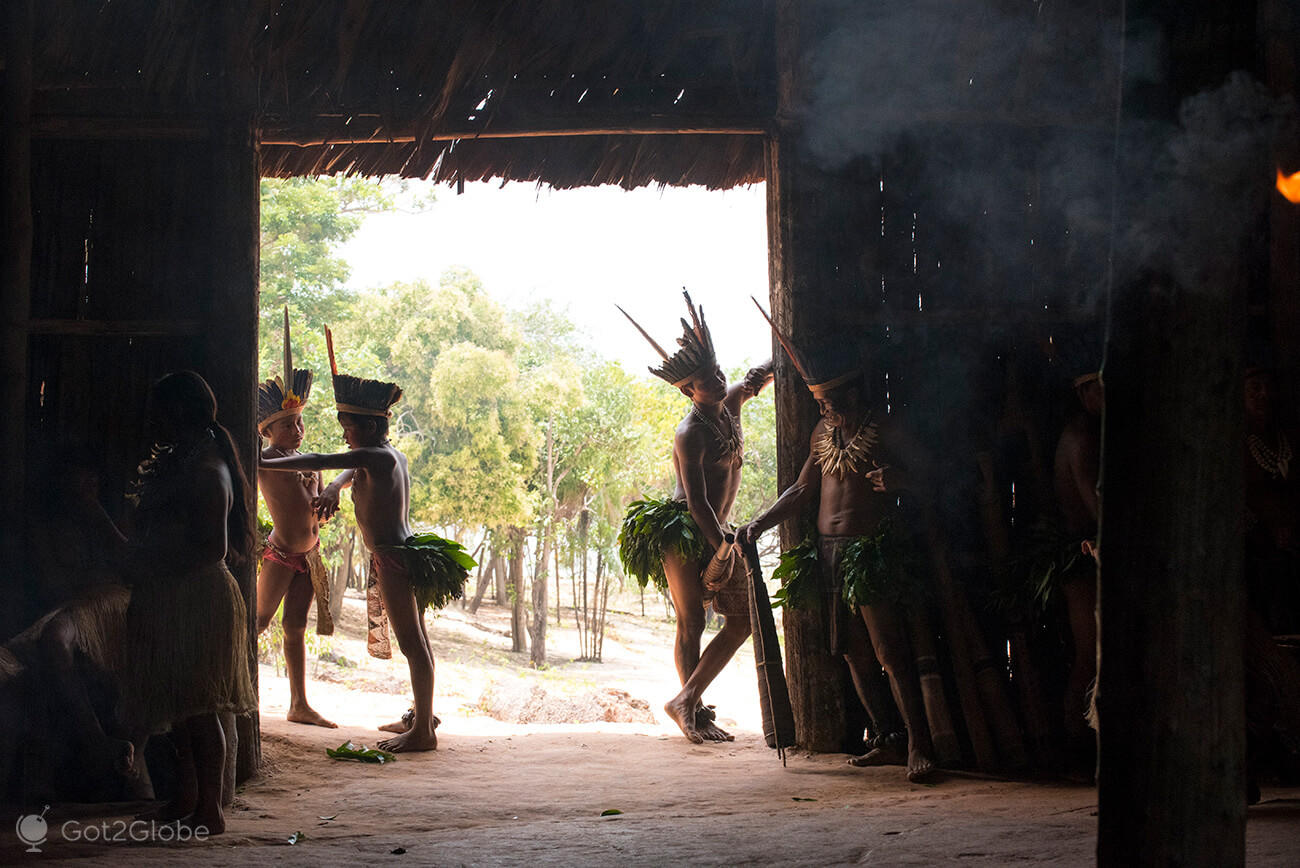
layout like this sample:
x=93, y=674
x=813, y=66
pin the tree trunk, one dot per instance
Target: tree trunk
x=518, y=613
x=558, y=586
x=500, y=583
x=537, y=630
x=486, y=578
x=604, y=606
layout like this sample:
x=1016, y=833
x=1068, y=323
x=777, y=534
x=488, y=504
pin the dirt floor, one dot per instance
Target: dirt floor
x=500, y=792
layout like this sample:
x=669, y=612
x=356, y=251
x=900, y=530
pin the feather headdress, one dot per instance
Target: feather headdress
x=359, y=396
x=819, y=381
x=284, y=395
x=696, y=347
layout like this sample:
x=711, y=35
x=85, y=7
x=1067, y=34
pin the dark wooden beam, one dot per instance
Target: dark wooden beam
x=367, y=129
x=231, y=309
x=806, y=284
x=15, y=299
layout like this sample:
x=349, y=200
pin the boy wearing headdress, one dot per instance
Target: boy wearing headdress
x=674, y=542
x=410, y=571
x=291, y=568
x=859, y=461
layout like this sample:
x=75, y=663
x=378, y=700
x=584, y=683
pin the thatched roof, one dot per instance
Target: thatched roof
x=412, y=86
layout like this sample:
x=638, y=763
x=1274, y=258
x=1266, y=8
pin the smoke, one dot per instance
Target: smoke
x=977, y=97
x=1198, y=191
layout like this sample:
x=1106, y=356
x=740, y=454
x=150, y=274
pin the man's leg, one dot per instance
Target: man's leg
x=1081, y=608
x=889, y=639
x=208, y=742
x=297, y=603
x=404, y=616
x=873, y=691
x=686, y=591
x=734, y=632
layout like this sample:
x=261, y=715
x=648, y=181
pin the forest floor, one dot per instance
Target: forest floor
x=580, y=739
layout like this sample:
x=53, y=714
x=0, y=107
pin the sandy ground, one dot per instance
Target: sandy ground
x=500, y=793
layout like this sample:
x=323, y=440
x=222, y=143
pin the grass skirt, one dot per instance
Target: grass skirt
x=186, y=650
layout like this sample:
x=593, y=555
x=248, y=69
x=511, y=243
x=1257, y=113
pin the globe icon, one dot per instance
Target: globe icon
x=32, y=830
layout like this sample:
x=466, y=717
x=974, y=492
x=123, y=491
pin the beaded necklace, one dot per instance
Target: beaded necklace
x=732, y=442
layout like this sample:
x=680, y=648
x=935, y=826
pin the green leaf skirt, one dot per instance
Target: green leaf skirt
x=652, y=527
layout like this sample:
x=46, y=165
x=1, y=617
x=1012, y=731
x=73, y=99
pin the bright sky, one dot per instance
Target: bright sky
x=588, y=249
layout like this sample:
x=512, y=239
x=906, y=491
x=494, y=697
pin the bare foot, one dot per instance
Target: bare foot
x=919, y=767
x=885, y=755
x=408, y=719
x=705, y=726
x=411, y=740
x=308, y=715
x=683, y=714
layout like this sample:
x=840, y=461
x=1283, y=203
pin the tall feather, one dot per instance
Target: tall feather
x=288, y=357
x=789, y=350
x=329, y=345
x=644, y=334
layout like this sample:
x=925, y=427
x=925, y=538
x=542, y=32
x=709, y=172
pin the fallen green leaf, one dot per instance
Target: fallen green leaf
x=801, y=799
x=609, y=812
x=360, y=753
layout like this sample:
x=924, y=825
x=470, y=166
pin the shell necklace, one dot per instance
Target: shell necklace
x=1276, y=463
x=836, y=458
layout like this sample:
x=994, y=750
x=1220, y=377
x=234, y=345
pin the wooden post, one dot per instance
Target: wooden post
x=15, y=299
x=1171, y=782
x=232, y=312
x=816, y=253
x=1170, y=689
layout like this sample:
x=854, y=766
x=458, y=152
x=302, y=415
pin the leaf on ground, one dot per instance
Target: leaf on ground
x=801, y=799
x=297, y=838
x=610, y=812
x=398, y=851
x=330, y=817
x=360, y=753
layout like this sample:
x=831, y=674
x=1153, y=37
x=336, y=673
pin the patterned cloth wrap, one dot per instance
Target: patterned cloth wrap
x=434, y=567
x=310, y=563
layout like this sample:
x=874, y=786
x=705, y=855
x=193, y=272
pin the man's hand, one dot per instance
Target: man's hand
x=326, y=503
x=756, y=379
x=877, y=478
x=749, y=533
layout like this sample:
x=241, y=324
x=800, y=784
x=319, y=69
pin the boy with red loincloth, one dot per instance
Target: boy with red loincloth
x=291, y=568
